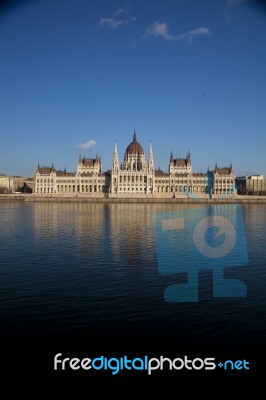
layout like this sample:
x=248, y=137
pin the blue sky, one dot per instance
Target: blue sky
x=78, y=75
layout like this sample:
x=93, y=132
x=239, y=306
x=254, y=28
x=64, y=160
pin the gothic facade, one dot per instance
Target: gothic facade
x=136, y=176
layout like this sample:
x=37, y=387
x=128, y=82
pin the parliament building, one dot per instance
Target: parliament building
x=135, y=176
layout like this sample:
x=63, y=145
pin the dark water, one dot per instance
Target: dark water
x=83, y=280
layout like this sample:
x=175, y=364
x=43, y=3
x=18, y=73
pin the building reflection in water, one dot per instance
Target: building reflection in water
x=120, y=234
x=131, y=234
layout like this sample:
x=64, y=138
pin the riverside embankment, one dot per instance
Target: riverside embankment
x=93, y=199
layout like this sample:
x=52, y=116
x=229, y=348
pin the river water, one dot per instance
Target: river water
x=91, y=280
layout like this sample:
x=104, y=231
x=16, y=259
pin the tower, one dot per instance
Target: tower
x=115, y=172
x=135, y=176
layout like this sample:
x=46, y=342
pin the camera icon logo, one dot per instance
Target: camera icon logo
x=193, y=239
x=225, y=228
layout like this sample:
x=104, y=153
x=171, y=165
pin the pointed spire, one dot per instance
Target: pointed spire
x=115, y=148
x=134, y=136
x=52, y=165
x=151, y=162
x=188, y=156
x=171, y=156
x=151, y=153
x=38, y=166
x=115, y=167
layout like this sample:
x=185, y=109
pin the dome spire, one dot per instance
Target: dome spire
x=134, y=147
x=134, y=136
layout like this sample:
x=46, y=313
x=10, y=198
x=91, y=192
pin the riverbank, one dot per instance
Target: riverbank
x=86, y=199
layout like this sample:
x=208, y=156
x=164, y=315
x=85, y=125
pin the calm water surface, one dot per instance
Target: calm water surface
x=84, y=278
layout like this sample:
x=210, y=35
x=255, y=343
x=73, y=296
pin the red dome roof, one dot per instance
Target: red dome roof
x=134, y=147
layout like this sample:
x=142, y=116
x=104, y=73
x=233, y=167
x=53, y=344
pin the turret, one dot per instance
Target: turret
x=150, y=161
x=115, y=167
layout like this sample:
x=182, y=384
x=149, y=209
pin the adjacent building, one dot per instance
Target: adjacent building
x=251, y=185
x=135, y=176
x=13, y=184
x=6, y=185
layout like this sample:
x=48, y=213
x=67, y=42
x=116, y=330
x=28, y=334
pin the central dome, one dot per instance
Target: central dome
x=134, y=147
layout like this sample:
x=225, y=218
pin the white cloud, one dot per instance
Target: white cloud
x=111, y=23
x=195, y=32
x=159, y=29
x=121, y=11
x=233, y=3
x=87, y=145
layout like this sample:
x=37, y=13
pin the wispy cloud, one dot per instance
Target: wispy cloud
x=232, y=3
x=161, y=29
x=115, y=20
x=111, y=23
x=190, y=35
x=120, y=11
x=87, y=145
